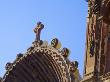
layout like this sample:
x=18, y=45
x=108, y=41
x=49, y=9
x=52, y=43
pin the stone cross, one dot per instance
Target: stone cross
x=38, y=29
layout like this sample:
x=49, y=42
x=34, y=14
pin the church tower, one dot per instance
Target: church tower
x=97, y=55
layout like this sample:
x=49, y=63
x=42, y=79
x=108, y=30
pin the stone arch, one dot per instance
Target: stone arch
x=41, y=64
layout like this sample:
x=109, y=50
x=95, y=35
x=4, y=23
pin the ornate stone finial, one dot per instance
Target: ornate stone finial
x=38, y=29
x=8, y=65
x=76, y=64
x=19, y=55
x=65, y=52
x=56, y=43
x=74, y=71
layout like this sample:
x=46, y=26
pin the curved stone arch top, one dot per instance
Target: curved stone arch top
x=40, y=64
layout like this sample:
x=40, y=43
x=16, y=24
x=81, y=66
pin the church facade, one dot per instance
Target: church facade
x=44, y=62
x=97, y=56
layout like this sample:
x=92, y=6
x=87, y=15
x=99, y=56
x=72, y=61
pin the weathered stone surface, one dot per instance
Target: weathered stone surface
x=97, y=56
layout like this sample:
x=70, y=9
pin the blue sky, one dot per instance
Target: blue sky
x=64, y=19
